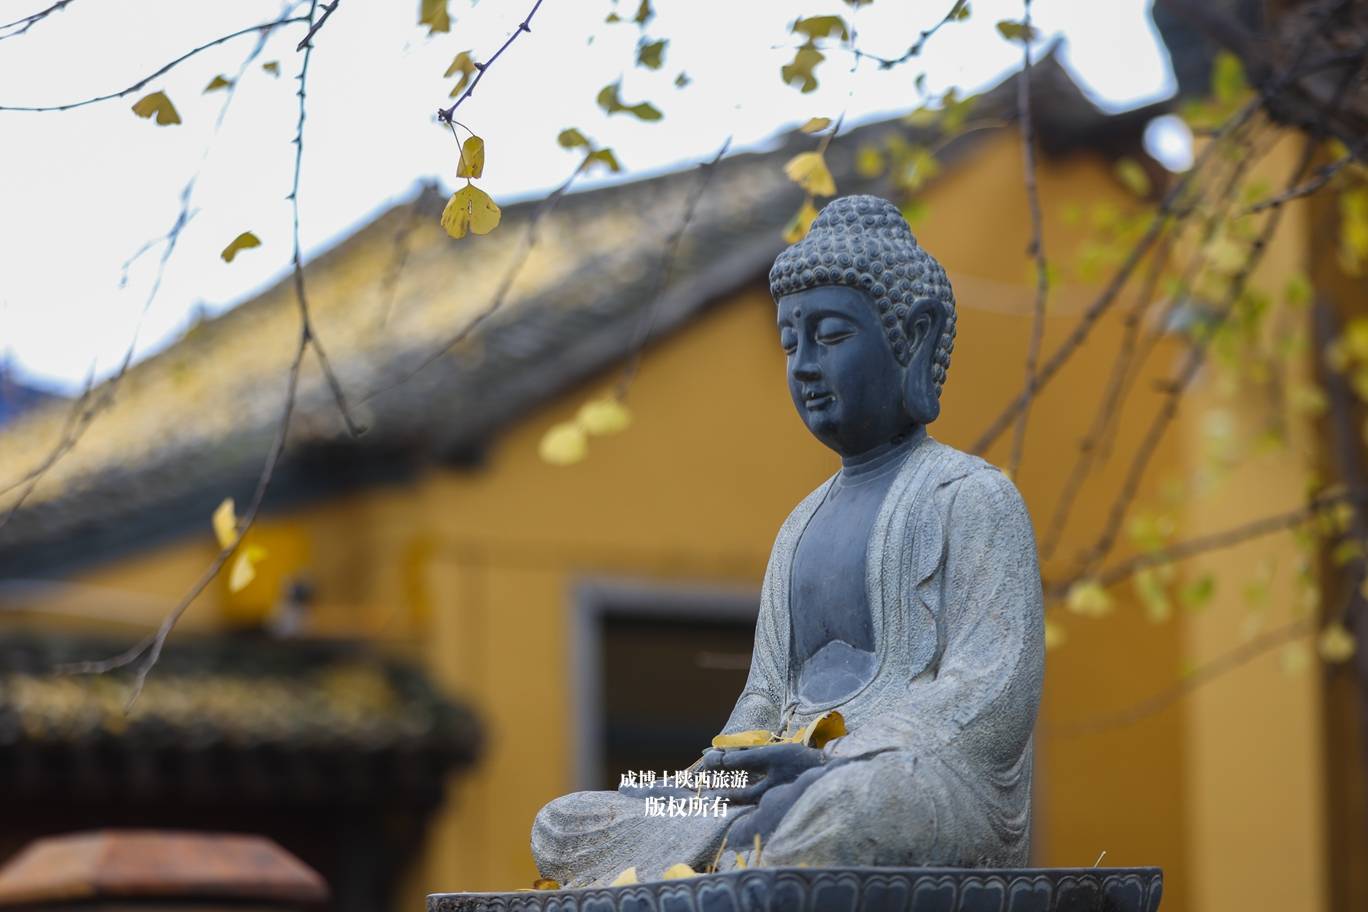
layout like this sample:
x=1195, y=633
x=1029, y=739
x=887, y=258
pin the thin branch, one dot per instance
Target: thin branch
x=1093, y=447
x=1088, y=447
x=313, y=29
x=445, y=114
x=1319, y=179
x=530, y=238
x=665, y=268
x=144, y=655
x=25, y=23
x=1216, y=541
x=91, y=402
x=887, y=63
x=1236, y=658
x=1175, y=389
x=1196, y=357
x=1036, y=248
x=1168, y=208
x=265, y=26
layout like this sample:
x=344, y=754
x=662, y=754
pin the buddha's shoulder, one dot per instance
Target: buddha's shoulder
x=966, y=482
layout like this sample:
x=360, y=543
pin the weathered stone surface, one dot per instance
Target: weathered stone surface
x=903, y=593
x=847, y=890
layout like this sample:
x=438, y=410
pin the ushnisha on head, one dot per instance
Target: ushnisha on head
x=867, y=318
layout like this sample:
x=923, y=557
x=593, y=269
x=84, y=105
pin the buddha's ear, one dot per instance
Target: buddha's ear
x=923, y=327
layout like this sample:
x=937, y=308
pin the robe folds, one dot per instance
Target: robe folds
x=938, y=754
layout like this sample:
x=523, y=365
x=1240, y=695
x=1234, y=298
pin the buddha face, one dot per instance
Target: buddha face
x=842, y=375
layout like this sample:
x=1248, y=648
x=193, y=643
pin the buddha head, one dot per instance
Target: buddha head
x=867, y=320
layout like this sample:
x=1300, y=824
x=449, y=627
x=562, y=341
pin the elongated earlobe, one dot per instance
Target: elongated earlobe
x=923, y=327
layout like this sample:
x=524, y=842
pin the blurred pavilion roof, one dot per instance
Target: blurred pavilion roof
x=194, y=423
x=246, y=715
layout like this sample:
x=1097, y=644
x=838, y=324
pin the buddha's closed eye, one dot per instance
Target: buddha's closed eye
x=831, y=331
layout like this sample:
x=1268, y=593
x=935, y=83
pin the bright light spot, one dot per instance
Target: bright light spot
x=1169, y=142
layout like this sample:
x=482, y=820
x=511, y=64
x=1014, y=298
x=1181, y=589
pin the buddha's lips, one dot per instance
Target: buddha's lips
x=817, y=400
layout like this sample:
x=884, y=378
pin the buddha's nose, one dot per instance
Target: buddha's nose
x=807, y=371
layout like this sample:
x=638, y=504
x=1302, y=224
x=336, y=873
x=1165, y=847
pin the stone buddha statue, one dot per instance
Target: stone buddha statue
x=904, y=593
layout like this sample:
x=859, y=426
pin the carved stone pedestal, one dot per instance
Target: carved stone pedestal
x=847, y=890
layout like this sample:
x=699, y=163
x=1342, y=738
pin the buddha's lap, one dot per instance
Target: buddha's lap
x=891, y=808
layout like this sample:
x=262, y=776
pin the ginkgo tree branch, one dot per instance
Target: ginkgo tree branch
x=1316, y=507
x=318, y=24
x=529, y=243
x=1132, y=355
x=1036, y=247
x=445, y=114
x=1196, y=358
x=957, y=11
x=667, y=260
x=92, y=401
x=24, y=23
x=145, y=655
x=1233, y=659
x=161, y=71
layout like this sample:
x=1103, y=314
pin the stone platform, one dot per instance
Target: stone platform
x=847, y=890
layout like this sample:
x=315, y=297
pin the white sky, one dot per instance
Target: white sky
x=81, y=191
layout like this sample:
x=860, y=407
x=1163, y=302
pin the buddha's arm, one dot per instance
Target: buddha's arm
x=982, y=694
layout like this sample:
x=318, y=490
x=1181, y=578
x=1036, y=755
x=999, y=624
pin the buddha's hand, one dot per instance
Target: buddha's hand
x=766, y=766
x=787, y=770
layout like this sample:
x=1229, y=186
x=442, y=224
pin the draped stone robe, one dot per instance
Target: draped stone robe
x=939, y=743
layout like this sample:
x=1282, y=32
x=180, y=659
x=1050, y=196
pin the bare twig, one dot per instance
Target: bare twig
x=887, y=63
x=1216, y=541
x=144, y=655
x=530, y=238
x=1094, y=446
x=666, y=266
x=445, y=114
x=1174, y=391
x=265, y=26
x=1036, y=248
x=1319, y=179
x=1236, y=658
x=92, y=401
x=24, y=23
x=318, y=24
x=1168, y=209
x=1196, y=357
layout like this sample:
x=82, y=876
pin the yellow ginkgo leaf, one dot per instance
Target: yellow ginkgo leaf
x=809, y=171
x=1054, y=635
x=225, y=523
x=470, y=209
x=751, y=738
x=157, y=103
x=545, y=883
x=816, y=125
x=472, y=158
x=218, y=83
x=829, y=726
x=1088, y=598
x=272, y=67
x=243, y=241
x=606, y=415
x=802, y=220
x=628, y=876
x=1336, y=644
x=244, y=567
x=564, y=444
x=464, y=64
x=678, y=871
x=1295, y=658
